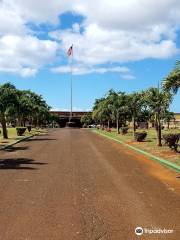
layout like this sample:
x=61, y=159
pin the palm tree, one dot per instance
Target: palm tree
x=122, y=109
x=113, y=108
x=24, y=107
x=36, y=108
x=158, y=103
x=8, y=98
x=136, y=104
x=172, y=82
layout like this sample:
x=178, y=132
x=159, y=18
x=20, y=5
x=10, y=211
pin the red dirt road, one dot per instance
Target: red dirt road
x=74, y=185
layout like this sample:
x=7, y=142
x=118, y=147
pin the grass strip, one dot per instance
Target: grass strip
x=160, y=160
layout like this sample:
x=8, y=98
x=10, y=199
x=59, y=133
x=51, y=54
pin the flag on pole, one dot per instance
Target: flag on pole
x=70, y=51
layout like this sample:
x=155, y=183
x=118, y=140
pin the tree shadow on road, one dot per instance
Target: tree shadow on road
x=40, y=139
x=18, y=163
x=13, y=148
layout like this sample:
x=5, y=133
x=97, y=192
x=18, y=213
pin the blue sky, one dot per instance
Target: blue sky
x=111, y=51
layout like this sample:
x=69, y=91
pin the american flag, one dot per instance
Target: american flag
x=70, y=51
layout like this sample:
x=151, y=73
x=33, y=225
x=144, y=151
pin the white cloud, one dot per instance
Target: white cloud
x=122, y=31
x=20, y=52
x=82, y=69
x=57, y=109
x=10, y=22
x=76, y=109
x=128, y=76
x=25, y=55
x=24, y=72
x=41, y=11
x=112, y=32
x=129, y=14
x=97, y=46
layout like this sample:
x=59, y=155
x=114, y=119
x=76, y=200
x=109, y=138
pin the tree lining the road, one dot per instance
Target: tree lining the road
x=119, y=108
x=86, y=119
x=20, y=107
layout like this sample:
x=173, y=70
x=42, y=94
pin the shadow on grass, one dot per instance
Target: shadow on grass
x=5, y=141
x=16, y=163
x=148, y=140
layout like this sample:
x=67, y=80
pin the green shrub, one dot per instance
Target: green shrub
x=172, y=139
x=140, y=136
x=20, y=130
x=124, y=130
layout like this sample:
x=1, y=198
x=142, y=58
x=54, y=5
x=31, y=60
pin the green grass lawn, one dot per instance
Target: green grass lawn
x=150, y=144
x=12, y=135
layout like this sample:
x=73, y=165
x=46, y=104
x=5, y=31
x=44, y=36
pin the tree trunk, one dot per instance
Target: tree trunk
x=117, y=125
x=134, y=125
x=4, y=128
x=168, y=124
x=159, y=143
x=38, y=122
x=108, y=123
x=19, y=121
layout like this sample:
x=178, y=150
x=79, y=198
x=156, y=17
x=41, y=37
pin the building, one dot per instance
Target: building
x=174, y=123
x=64, y=117
x=76, y=117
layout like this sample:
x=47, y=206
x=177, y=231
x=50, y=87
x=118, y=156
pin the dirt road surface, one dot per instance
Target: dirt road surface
x=72, y=184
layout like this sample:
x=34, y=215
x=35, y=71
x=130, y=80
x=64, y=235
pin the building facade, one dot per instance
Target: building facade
x=174, y=123
x=64, y=117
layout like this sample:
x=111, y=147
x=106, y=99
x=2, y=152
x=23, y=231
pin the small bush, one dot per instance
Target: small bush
x=172, y=140
x=29, y=127
x=20, y=130
x=124, y=130
x=140, y=136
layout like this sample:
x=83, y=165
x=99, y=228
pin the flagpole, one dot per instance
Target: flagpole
x=71, y=85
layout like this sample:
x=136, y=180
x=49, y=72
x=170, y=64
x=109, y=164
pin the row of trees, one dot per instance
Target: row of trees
x=121, y=108
x=152, y=104
x=21, y=107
